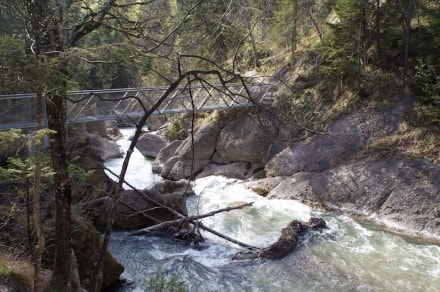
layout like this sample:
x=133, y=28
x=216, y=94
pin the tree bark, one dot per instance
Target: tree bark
x=37, y=196
x=378, y=29
x=63, y=192
x=407, y=33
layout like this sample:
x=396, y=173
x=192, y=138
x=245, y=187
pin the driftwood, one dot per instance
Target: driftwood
x=285, y=243
x=181, y=226
x=187, y=227
x=188, y=219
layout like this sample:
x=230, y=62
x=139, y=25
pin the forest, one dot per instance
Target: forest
x=327, y=58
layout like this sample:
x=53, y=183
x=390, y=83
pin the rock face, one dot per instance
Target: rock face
x=330, y=170
x=181, y=163
x=336, y=171
x=86, y=244
x=248, y=138
x=401, y=193
x=346, y=137
x=164, y=154
x=169, y=193
x=238, y=170
x=93, y=148
x=150, y=144
x=241, y=143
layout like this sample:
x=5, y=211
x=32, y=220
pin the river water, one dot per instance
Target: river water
x=348, y=256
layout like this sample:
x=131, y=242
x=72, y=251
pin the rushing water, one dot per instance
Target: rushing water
x=348, y=256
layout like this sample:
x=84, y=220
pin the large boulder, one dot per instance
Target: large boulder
x=86, y=244
x=93, y=148
x=183, y=164
x=150, y=144
x=345, y=138
x=402, y=193
x=238, y=170
x=185, y=169
x=249, y=138
x=128, y=212
x=205, y=139
x=164, y=154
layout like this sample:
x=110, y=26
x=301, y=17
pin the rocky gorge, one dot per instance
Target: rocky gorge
x=344, y=169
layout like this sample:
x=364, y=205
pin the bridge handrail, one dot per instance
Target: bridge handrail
x=96, y=105
x=134, y=89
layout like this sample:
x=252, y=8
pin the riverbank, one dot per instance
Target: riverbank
x=367, y=163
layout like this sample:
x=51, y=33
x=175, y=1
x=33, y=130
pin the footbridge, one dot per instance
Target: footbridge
x=19, y=110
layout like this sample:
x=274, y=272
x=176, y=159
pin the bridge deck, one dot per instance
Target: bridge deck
x=19, y=110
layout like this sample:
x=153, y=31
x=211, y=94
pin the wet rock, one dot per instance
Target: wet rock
x=287, y=241
x=402, y=193
x=238, y=170
x=164, y=154
x=169, y=193
x=86, y=244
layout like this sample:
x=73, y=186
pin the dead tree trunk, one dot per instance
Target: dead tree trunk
x=285, y=243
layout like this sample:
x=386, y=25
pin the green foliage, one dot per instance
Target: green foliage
x=21, y=170
x=304, y=108
x=10, y=136
x=428, y=77
x=84, y=185
x=7, y=215
x=17, y=69
x=350, y=38
x=261, y=191
x=6, y=272
x=426, y=48
x=159, y=283
x=177, y=129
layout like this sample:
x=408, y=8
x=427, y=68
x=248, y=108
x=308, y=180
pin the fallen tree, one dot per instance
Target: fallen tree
x=286, y=242
x=187, y=227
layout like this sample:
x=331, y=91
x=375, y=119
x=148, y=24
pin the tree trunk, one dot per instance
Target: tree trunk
x=407, y=32
x=36, y=196
x=294, y=34
x=63, y=193
x=378, y=29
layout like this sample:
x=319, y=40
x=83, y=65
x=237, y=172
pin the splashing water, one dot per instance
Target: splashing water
x=349, y=255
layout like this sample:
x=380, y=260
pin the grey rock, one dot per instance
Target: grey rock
x=238, y=170
x=164, y=154
x=169, y=193
x=150, y=144
x=401, y=193
x=205, y=139
x=168, y=166
x=248, y=138
x=345, y=138
x=185, y=169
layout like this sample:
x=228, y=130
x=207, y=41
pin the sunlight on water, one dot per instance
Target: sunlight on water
x=139, y=173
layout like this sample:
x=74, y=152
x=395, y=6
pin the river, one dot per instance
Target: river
x=350, y=255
